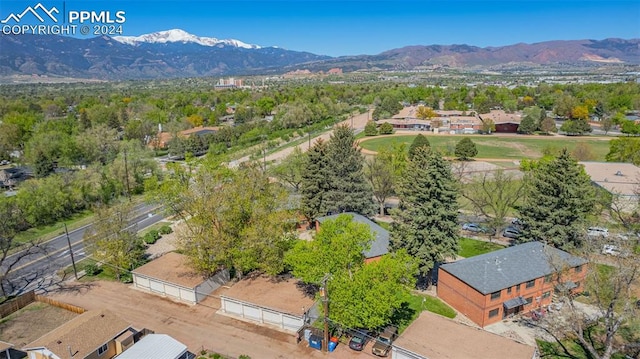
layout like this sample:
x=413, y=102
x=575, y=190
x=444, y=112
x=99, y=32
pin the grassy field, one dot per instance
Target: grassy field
x=498, y=147
x=472, y=247
x=53, y=230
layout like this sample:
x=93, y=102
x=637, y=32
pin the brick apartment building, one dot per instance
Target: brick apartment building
x=493, y=286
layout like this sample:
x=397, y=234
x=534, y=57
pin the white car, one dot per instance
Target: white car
x=613, y=250
x=597, y=232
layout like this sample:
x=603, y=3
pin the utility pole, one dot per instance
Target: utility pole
x=126, y=173
x=325, y=303
x=73, y=261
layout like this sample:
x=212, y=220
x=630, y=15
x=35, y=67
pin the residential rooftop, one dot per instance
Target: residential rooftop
x=172, y=267
x=436, y=337
x=380, y=244
x=83, y=334
x=155, y=346
x=500, y=116
x=615, y=177
x=494, y=271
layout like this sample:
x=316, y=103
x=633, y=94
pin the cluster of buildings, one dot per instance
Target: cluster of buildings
x=454, y=121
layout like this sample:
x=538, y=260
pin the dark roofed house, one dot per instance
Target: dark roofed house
x=504, y=122
x=490, y=287
x=380, y=244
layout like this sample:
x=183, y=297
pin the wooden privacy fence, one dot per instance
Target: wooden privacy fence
x=27, y=298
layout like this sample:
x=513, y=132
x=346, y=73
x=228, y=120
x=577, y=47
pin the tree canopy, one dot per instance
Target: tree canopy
x=426, y=221
x=559, y=196
x=466, y=149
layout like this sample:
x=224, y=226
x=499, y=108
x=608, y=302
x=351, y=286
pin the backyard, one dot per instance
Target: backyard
x=498, y=147
x=18, y=328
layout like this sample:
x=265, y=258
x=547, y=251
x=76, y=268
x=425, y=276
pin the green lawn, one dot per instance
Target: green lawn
x=53, y=230
x=472, y=247
x=155, y=226
x=416, y=304
x=497, y=147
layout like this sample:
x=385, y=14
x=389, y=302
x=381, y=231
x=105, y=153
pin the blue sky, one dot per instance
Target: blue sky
x=369, y=27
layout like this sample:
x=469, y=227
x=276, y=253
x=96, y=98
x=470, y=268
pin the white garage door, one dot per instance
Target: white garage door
x=260, y=314
x=187, y=295
x=399, y=353
x=172, y=291
x=141, y=282
x=156, y=286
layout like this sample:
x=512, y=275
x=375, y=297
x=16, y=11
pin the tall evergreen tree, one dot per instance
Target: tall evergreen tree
x=315, y=181
x=349, y=190
x=559, y=198
x=419, y=141
x=426, y=221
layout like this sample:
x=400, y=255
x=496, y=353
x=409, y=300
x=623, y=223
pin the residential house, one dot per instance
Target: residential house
x=91, y=335
x=171, y=276
x=436, y=337
x=493, y=286
x=619, y=179
x=504, y=122
x=157, y=346
x=463, y=124
x=380, y=244
x=161, y=139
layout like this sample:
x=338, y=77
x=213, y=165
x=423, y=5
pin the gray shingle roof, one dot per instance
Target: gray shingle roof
x=494, y=271
x=379, y=246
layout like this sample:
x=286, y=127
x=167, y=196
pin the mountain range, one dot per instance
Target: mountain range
x=176, y=53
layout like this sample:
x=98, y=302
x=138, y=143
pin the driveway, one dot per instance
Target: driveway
x=196, y=326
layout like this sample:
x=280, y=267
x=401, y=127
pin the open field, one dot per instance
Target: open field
x=472, y=247
x=32, y=322
x=499, y=147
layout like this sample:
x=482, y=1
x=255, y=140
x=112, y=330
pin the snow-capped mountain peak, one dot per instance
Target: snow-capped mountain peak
x=178, y=35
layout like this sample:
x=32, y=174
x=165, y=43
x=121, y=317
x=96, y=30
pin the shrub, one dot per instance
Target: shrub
x=370, y=129
x=126, y=278
x=166, y=229
x=92, y=269
x=243, y=356
x=386, y=128
x=151, y=237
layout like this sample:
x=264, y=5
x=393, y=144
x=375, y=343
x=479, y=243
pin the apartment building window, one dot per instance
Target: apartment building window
x=103, y=349
x=578, y=269
x=547, y=278
x=531, y=283
x=546, y=295
x=494, y=312
x=509, y=290
x=495, y=295
x=518, y=288
x=529, y=300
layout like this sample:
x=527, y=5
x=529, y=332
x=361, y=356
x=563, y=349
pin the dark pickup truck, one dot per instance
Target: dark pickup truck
x=383, y=343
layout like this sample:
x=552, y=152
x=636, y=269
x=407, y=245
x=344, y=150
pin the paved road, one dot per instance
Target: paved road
x=38, y=268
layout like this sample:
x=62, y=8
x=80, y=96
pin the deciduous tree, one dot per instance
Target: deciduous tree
x=291, y=169
x=370, y=129
x=466, y=149
x=624, y=149
x=379, y=174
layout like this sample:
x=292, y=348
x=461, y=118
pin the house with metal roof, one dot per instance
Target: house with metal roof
x=496, y=285
x=380, y=244
x=157, y=346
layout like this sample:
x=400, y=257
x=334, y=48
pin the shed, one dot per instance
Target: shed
x=436, y=337
x=170, y=275
x=156, y=346
x=278, y=302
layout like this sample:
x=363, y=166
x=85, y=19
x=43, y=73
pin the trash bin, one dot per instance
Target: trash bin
x=332, y=345
x=315, y=342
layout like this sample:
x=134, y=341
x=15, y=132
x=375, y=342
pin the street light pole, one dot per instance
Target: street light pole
x=73, y=261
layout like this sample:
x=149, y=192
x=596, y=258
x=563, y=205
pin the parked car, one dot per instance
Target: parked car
x=597, y=232
x=517, y=222
x=477, y=228
x=511, y=232
x=613, y=250
x=358, y=340
x=383, y=344
x=472, y=227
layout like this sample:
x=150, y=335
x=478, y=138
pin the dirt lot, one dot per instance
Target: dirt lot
x=19, y=328
x=196, y=326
